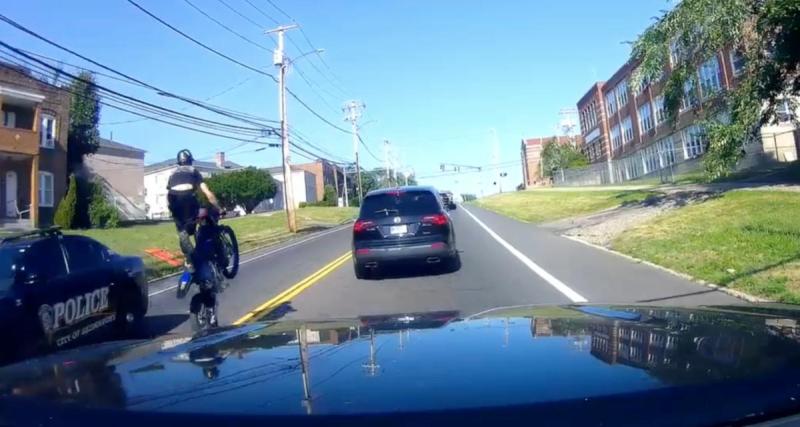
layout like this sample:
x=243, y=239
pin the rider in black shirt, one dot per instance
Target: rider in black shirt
x=183, y=204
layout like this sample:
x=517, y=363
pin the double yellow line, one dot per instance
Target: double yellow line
x=295, y=289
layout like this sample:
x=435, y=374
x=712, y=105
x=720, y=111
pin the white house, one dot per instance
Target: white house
x=157, y=175
x=305, y=189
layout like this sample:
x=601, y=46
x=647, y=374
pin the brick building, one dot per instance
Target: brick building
x=33, y=147
x=626, y=127
x=530, y=153
x=326, y=173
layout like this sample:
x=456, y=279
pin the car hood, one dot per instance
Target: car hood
x=727, y=362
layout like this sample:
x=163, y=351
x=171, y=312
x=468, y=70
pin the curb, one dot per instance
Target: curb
x=732, y=292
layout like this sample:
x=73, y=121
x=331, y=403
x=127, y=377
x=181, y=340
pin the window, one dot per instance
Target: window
x=650, y=159
x=611, y=103
x=48, y=131
x=46, y=260
x=660, y=108
x=642, y=86
x=694, y=141
x=401, y=203
x=737, y=62
x=622, y=93
x=689, y=99
x=645, y=118
x=666, y=151
x=9, y=259
x=616, y=137
x=9, y=119
x=709, y=77
x=784, y=111
x=627, y=130
x=83, y=254
x=45, y=189
x=674, y=53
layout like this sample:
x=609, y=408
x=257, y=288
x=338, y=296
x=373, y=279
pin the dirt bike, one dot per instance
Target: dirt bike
x=215, y=258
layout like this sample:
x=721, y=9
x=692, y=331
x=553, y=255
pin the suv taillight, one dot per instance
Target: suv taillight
x=438, y=219
x=362, y=225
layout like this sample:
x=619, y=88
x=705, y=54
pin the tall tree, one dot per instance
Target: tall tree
x=245, y=188
x=84, y=116
x=556, y=155
x=767, y=35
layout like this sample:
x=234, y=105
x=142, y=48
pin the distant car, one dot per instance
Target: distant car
x=448, y=200
x=403, y=225
x=58, y=291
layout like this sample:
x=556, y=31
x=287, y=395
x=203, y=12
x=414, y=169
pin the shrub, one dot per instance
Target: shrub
x=65, y=213
x=101, y=213
x=330, y=198
x=303, y=205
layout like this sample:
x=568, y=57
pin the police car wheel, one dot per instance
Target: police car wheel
x=130, y=317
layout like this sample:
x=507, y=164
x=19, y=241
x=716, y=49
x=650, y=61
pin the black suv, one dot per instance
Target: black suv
x=405, y=224
x=447, y=200
x=58, y=291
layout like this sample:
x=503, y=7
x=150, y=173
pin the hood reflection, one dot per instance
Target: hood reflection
x=321, y=366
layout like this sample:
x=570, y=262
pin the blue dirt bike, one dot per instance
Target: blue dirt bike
x=215, y=257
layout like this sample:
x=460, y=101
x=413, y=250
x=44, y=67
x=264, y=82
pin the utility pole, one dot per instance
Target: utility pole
x=386, y=161
x=280, y=61
x=344, y=175
x=353, y=110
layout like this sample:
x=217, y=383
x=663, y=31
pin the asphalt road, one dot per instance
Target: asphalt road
x=504, y=263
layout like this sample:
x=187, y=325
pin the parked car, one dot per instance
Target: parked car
x=59, y=291
x=403, y=225
x=448, y=200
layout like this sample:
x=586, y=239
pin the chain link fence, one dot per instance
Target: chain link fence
x=664, y=160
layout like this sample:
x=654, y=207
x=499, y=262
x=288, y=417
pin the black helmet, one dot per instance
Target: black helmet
x=185, y=157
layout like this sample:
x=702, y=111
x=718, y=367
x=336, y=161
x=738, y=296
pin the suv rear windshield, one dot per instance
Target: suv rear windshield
x=9, y=256
x=402, y=203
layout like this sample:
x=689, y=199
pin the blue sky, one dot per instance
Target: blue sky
x=436, y=76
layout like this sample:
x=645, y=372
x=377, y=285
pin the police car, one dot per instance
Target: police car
x=58, y=291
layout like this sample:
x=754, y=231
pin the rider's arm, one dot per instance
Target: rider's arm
x=209, y=195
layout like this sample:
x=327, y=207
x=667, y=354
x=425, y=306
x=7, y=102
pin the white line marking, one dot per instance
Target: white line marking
x=541, y=272
x=268, y=253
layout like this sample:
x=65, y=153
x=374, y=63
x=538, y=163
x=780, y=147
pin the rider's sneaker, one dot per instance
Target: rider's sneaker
x=212, y=320
x=184, y=284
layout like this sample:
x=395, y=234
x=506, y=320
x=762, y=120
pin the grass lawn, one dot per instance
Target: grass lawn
x=551, y=204
x=746, y=240
x=252, y=231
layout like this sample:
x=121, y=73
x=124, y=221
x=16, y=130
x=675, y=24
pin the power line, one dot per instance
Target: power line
x=127, y=97
x=162, y=120
x=251, y=68
x=223, y=92
x=194, y=103
x=265, y=14
x=245, y=17
x=366, y=147
x=133, y=79
x=226, y=27
x=311, y=45
x=199, y=43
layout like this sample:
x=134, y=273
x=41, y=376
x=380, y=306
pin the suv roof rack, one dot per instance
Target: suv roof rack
x=42, y=232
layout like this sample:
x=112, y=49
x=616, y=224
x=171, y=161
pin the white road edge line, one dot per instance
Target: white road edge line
x=541, y=272
x=268, y=253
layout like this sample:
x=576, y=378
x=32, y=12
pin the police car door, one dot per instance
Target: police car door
x=91, y=286
x=45, y=291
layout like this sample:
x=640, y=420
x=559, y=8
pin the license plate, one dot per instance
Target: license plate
x=398, y=229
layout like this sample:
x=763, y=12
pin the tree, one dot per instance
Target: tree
x=556, y=155
x=767, y=35
x=245, y=188
x=329, y=198
x=84, y=116
x=65, y=212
